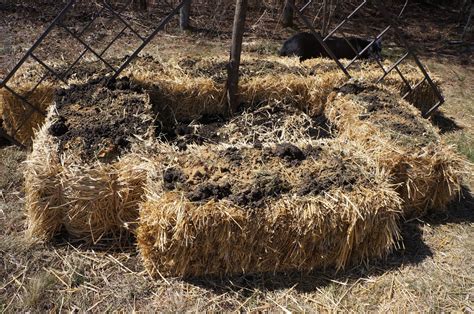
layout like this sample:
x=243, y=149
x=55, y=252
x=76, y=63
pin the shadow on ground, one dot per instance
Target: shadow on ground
x=413, y=251
x=444, y=123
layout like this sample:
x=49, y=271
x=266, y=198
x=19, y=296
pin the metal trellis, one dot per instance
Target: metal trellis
x=393, y=24
x=77, y=36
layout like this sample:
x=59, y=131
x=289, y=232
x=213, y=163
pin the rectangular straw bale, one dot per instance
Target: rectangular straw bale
x=306, y=93
x=102, y=200
x=179, y=238
x=338, y=227
x=428, y=171
x=430, y=178
x=88, y=201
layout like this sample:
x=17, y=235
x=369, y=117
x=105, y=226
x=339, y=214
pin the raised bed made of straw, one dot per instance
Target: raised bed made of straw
x=220, y=209
x=277, y=187
x=428, y=171
x=79, y=178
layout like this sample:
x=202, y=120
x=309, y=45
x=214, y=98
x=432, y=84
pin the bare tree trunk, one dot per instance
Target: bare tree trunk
x=141, y=5
x=468, y=22
x=235, y=52
x=184, y=16
x=326, y=12
x=288, y=13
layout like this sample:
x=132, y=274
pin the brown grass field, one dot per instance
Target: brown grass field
x=433, y=271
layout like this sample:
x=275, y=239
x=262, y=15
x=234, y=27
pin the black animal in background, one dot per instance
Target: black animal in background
x=306, y=46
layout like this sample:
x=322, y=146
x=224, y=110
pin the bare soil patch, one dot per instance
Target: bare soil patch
x=253, y=176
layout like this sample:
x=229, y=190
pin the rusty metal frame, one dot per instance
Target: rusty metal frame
x=393, y=22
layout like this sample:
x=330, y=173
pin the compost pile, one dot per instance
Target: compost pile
x=310, y=173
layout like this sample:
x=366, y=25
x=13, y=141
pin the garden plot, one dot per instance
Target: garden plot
x=308, y=174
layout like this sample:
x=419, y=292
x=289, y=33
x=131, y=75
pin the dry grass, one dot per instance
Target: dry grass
x=430, y=273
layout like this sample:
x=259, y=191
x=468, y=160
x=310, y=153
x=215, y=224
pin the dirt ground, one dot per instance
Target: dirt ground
x=433, y=271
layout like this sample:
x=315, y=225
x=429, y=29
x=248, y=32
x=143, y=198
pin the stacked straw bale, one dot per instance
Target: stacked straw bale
x=196, y=86
x=427, y=170
x=333, y=228
x=88, y=200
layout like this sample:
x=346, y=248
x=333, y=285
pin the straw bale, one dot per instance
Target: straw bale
x=89, y=202
x=307, y=93
x=43, y=188
x=88, y=199
x=429, y=172
x=102, y=200
x=191, y=87
x=332, y=228
x=14, y=111
x=430, y=179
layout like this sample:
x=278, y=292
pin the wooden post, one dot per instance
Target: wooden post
x=235, y=52
x=288, y=13
x=184, y=16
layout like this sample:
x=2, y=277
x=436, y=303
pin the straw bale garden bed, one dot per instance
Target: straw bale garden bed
x=311, y=172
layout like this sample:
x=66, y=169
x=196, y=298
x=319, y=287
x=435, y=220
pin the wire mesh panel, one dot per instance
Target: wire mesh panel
x=391, y=24
x=85, y=42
